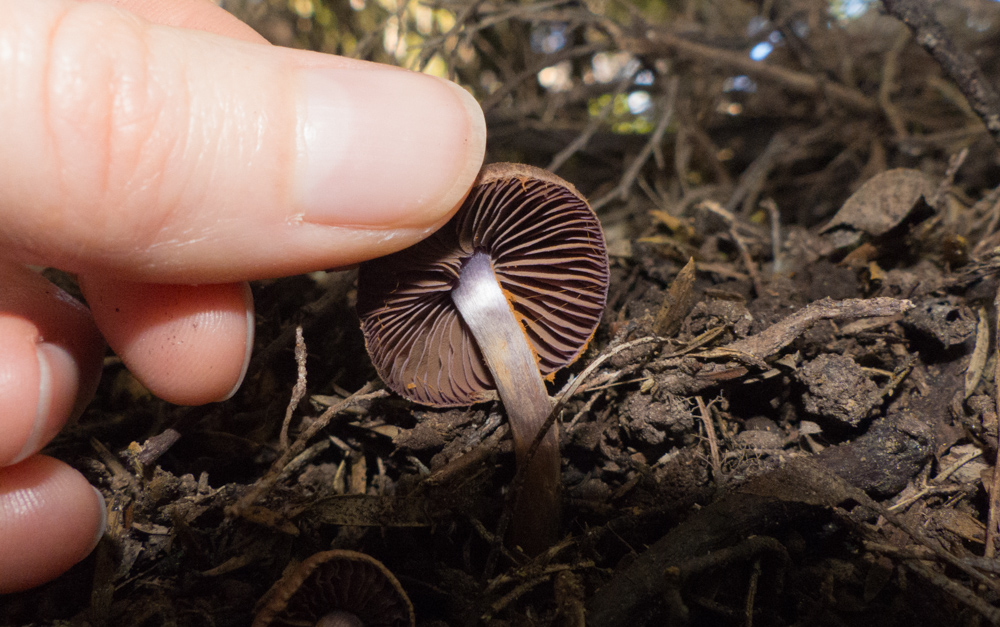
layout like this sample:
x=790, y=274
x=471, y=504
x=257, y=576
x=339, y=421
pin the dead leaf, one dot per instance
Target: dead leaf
x=677, y=303
x=979, y=355
x=882, y=203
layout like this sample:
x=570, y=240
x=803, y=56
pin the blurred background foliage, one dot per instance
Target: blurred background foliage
x=662, y=104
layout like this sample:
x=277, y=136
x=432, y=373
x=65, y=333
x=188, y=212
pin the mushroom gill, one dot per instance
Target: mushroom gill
x=336, y=588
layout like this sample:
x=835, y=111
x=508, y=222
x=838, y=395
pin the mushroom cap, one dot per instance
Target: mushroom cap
x=330, y=581
x=548, y=254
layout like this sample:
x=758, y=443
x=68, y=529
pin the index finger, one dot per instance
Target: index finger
x=173, y=155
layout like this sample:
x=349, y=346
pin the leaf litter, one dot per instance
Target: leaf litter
x=788, y=415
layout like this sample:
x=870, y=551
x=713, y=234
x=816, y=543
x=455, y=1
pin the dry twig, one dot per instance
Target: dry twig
x=299, y=391
x=713, y=442
x=960, y=66
x=620, y=192
x=277, y=469
x=993, y=515
x=659, y=42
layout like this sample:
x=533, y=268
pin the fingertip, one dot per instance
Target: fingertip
x=20, y=379
x=102, y=521
x=160, y=158
x=384, y=149
x=50, y=363
x=58, y=382
x=38, y=401
x=251, y=327
x=49, y=517
x=187, y=344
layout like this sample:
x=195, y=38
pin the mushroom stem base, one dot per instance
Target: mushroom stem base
x=504, y=346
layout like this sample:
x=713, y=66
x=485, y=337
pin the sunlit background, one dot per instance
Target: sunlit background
x=559, y=80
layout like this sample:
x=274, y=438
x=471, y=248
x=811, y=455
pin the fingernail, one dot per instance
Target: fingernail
x=385, y=148
x=102, y=504
x=251, y=328
x=57, y=391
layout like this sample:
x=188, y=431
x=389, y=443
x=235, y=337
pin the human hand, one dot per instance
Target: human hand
x=146, y=156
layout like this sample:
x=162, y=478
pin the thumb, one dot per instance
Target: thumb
x=174, y=155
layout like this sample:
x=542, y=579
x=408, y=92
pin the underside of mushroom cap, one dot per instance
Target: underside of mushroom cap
x=548, y=254
x=336, y=581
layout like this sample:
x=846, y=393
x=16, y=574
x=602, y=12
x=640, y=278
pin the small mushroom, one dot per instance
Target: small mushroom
x=508, y=291
x=336, y=589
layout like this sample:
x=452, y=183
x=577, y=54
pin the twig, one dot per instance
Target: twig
x=662, y=43
x=957, y=590
x=915, y=552
x=713, y=443
x=315, y=312
x=305, y=456
x=299, y=391
x=751, y=593
x=777, y=336
x=276, y=471
x=948, y=180
x=157, y=445
x=917, y=534
x=620, y=192
x=528, y=585
x=571, y=387
x=778, y=265
x=596, y=122
x=741, y=245
x=434, y=44
x=750, y=182
x=889, y=72
x=957, y=64
x=487, y=438
x=993, y=515
x=544, y=62
x=583, y=411
x=986, y=209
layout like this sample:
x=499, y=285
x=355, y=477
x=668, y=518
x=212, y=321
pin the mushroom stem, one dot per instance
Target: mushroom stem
x=502, y=341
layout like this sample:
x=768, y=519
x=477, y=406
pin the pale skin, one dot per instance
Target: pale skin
x=165, y=154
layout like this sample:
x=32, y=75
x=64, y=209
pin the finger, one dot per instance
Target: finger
x=187, y=344
x=172, y=155
x=49, y=365
x=50, y=519
x=198, y=14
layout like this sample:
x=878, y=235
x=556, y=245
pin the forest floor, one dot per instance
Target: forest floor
x=787, y=416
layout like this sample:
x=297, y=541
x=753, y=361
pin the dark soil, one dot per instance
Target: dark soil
x=799, y=430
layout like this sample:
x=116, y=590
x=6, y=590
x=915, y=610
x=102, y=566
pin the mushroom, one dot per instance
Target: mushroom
x=336, y=589
x=508, y=291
